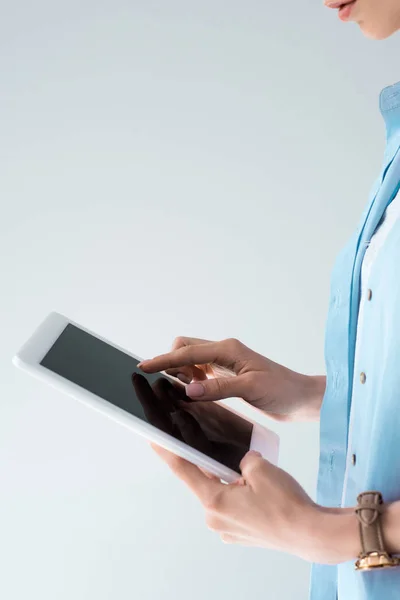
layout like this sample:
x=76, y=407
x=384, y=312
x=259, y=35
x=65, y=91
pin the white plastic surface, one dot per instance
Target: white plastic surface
x=32, y=352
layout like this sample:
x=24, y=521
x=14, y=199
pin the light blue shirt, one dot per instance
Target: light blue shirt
x=374, y=400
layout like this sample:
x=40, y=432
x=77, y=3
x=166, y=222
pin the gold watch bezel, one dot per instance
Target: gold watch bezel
x=376, y=560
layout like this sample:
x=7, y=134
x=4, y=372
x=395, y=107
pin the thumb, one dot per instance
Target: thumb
x=250, y=462
x=218, y=389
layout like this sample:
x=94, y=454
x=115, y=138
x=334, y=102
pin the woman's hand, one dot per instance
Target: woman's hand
x=218, y=370
x=268, y=508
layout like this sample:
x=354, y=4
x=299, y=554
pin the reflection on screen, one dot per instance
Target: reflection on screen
x=113, y=375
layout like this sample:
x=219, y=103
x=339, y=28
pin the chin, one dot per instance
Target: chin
x=376, y=33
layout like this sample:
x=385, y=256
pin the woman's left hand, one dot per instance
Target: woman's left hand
x=265, y=508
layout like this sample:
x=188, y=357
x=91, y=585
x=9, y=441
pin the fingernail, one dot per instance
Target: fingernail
x=195, y=390
x=183, y=378
x=255, y=453
x=140, y=365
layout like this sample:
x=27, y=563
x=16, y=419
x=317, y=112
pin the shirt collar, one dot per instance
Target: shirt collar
x=390, y=108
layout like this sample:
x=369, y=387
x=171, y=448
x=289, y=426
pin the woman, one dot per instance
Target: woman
x=358, y=402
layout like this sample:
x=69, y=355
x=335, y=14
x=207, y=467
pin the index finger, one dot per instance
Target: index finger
x=199, y=354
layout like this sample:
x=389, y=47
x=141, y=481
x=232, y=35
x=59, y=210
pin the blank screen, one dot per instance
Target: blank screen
x=113, y=375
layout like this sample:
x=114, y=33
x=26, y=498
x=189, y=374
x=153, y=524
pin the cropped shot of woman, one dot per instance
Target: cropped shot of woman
x=351, y=533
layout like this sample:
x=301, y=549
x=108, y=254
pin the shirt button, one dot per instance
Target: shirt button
x=369, y=294
x=363, y=377
x=353, y=460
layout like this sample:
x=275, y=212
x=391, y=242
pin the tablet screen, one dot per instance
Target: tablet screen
x=113, y=375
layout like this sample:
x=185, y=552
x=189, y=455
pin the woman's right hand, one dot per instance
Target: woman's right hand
x=229, y=369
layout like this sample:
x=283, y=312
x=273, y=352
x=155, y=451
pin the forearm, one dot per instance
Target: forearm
x=334, y=535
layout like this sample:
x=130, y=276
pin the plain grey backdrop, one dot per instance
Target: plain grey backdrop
x=169, y=167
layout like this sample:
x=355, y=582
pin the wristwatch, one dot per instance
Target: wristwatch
x=373, y=555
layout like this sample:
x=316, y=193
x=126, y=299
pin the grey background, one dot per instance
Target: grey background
x=167, y=168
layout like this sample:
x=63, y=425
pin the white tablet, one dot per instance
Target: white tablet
x=106, y=378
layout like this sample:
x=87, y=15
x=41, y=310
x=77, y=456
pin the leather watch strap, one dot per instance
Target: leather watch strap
x=369, y=510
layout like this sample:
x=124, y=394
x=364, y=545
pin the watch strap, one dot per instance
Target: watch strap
x=369, y=511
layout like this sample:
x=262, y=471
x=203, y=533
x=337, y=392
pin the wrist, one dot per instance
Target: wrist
x=391, y=527
x=313, y=390
x=333, y=536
